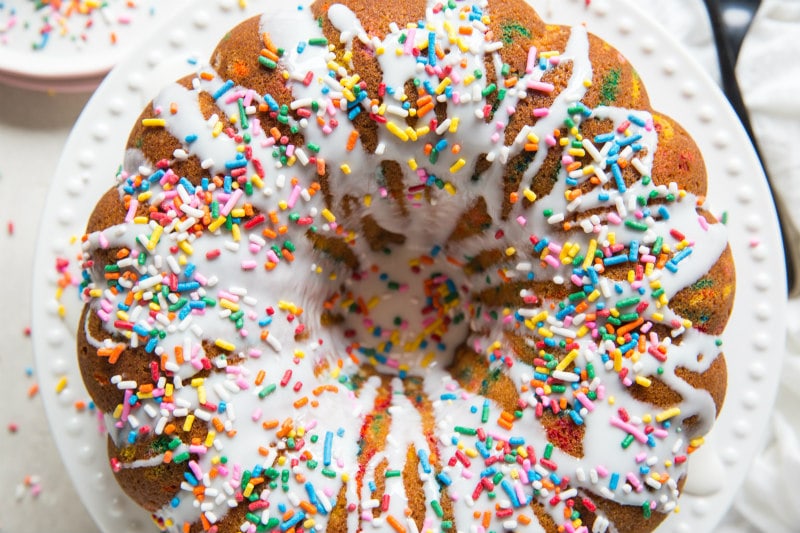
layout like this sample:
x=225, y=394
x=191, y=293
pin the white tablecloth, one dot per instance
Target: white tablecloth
x=36, y=495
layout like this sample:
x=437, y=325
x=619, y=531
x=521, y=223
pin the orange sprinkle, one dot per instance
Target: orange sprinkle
x=397, y=526
x=270, y=424
x=207, y=76
x=260, y=377
x=424, y=110
x=301, y=402
x=308, y=507
x=351, y=141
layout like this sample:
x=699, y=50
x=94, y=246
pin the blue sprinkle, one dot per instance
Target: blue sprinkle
x=424, y=461
x=614, y=481
x=629, y=140
x=636, y=120
x=634, y=251
x=151, y=345
x=227, y=86
x=604, y=138
x=444, y=479
x=615, y=260
x=238, y=163
x=615, y=170
x=190, y=138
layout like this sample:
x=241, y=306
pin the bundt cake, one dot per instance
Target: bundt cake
x=416, y=266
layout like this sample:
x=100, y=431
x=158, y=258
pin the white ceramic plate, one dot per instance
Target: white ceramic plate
x=47, y=45
x=677, y=86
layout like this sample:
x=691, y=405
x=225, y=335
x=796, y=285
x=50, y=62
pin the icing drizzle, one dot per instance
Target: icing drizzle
x=189, y=286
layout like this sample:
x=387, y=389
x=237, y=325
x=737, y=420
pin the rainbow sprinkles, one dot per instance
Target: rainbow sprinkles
x=459, y=277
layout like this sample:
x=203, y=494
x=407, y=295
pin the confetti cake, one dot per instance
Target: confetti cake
x=416, y=266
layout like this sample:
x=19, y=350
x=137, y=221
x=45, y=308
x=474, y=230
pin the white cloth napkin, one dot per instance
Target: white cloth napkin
x=769, y=75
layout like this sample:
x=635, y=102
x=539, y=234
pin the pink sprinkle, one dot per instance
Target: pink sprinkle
x=541, y=86
x=541, y=112
x=521, y=220
x=249, y=265
x=530, y=64
x=256, y=414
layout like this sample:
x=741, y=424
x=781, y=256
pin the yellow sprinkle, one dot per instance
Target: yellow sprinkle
x=257, y=182
x=187, y=424
x=577, y=152
x=367, y=200
x=225, y=345
x=412, y=164
x=423, y=131
x=450, y=188
x=587, y=261
x=458, y=165
x=235, y=233
x=154, y=122
x=330, y=217
x=617, y=361
x=469, y=79
x=117, y=411
x=696, y=443
x=143, y=197
x=666, y=415
x=140, y=220
x=61, y=385
x=412, y=133
x=217, y=129
x=658, y=317
x=186, y=247
x=454, y=122
x=227, y=304
x=568, y=359
x=544, y=332
x=282, y=205
x=238, y=212
x=216, y=224
x=395, y=129
x=510, y=251
x=643, y=381
x=345, y=168
x=443, y=85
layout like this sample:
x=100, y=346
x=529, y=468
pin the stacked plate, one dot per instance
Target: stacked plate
x=70, y=45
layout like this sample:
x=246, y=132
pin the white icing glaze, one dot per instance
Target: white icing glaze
x=319, y=360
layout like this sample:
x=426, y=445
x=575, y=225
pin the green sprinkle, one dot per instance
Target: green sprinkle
x=627, y=302
x=181, y=457
x=266, y=62
x=318, y=41
x=465, y=431
x=627, y=441
x=437, y=508
x=393, y=473
x=266, y=391
x=548, y=450
x=327, y=472
x=638, y=226
x=489, y=90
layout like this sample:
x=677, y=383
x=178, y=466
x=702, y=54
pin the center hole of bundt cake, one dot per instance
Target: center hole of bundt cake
x=405, y=312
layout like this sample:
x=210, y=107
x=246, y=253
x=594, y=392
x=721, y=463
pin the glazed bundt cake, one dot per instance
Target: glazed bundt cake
x=406, y=266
